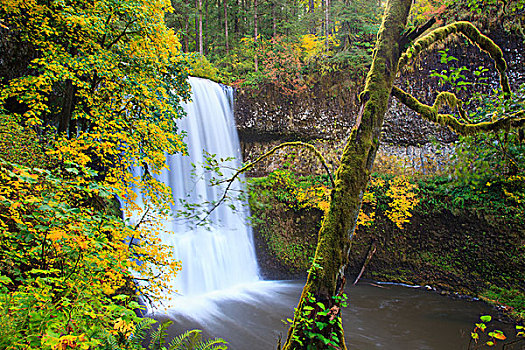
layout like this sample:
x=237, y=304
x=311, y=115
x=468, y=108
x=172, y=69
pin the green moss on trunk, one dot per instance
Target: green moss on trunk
x=326, y=276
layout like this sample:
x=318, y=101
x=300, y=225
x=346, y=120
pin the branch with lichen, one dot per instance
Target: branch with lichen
x=295, y=144
x=473, y=34
x=463, y=126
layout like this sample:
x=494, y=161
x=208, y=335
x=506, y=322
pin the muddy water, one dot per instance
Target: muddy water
x=388, y=317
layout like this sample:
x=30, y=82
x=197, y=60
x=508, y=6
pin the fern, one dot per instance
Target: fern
x=212, y=344
x=192, y=340
x=189, y=340
x=181, y=341
x=140, y=331
x=158, y=337
x=110, y=342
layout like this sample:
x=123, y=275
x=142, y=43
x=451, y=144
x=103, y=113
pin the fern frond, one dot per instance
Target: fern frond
x=212, y=344
x=180, y=342
x=158, y=337
x=140, y=331
x=110, y=342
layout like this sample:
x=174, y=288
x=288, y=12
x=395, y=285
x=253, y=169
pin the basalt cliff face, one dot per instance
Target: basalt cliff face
x=326, y=111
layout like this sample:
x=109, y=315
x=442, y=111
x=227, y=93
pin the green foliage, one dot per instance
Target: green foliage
x=20, y=144
x=317, y=321
x=497, y=156
x=513, y=300
x=41, y=316
x=130, y=337
x=295, y=191
x=63, y=254
x=456, y=78
x=201, y=67
x=99, y=82
x=359, y=25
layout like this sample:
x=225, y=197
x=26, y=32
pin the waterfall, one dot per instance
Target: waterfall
x=221, y=255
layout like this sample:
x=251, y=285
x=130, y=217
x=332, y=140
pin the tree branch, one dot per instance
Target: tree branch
x=124, y=32
x=431, y=113
x=290, y=144
x=261, y=158
x=472, y=33
x=410, y=36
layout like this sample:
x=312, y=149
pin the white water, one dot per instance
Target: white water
x=221, y=256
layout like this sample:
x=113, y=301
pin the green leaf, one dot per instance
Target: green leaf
x=321, y=325
x=481, y=326
x=486, y=318
x=5, y=280
x=497, y=334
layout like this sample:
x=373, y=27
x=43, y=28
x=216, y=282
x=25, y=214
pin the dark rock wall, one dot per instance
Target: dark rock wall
x=327, y=110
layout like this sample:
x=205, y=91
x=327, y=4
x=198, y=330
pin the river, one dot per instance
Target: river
x=390, y=317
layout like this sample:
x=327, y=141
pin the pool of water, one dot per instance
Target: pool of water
x=378, y=317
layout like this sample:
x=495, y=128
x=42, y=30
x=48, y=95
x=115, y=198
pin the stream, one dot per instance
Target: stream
x=386, y=317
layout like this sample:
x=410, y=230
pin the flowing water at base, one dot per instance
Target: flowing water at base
x=388, y=317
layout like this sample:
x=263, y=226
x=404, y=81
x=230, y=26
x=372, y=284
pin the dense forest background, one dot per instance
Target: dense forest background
x=90, y=89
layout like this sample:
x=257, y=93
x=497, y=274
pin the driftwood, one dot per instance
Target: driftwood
x=371, y=252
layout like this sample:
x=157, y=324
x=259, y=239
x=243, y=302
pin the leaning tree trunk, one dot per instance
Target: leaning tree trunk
x=317, y=320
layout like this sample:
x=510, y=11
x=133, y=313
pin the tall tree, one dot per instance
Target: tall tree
x=199, y=16
x=274, y=19
x=236, y=16
x=311, y=13
x=226, y=26
x=327, y=23
x=317, y=321
x=207, y=28
x=255, y=33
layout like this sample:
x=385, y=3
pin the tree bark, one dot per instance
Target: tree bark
x=255, y=33
x=326, y=22
x=326, y=276
x=236, y=17
x=206, y=27
x=226, y=26
x=186, y=41
x=274, y=19
x=66, y=112
x=199, y=10
x=311, y=10
x=196, y=22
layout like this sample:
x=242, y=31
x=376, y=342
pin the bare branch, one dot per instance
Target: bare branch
x=291, y=144
x=431, y=113
x=142, y=218
x=261, y=158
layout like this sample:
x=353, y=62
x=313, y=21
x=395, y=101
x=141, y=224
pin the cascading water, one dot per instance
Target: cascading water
x=221, y=255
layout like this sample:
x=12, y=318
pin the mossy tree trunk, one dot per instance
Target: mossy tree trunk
x=317, y=323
